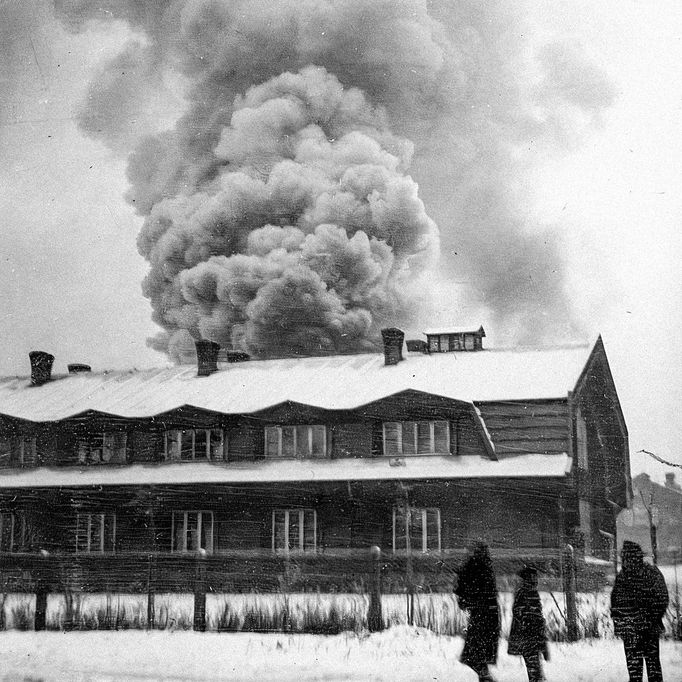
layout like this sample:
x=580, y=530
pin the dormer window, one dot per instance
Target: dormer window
x=19, y=451
x=192, y=444
x=102, y=448
x=449, y=341
x=302, y=440
x=416, y=438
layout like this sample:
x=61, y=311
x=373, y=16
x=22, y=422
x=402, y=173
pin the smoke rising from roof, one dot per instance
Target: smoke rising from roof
x=279, y=213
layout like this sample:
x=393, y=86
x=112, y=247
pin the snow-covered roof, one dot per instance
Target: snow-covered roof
x=278, y=471
x=459, y=329
x=333, y=382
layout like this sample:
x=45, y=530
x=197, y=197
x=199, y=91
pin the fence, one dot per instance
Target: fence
x=371, y=573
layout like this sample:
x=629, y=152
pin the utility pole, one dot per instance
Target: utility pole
x=652, y=511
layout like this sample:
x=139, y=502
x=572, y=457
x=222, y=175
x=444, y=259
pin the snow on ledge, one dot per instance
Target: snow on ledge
x=360, y=469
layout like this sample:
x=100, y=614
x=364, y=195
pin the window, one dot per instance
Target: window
x=416, y=438
x=27, y=452
x=296, y=441
x=20, y=451
x=13, y=532
x=416, y=529
x=95, y=533
x=102, y=448
x=294, y=530
x=192, y=531
x=190, y=444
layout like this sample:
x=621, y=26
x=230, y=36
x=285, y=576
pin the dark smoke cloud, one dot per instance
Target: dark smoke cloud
x=309, y=235
x=278, y=210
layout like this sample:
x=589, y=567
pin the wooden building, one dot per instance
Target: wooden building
x=290, y=469
x=656, y=514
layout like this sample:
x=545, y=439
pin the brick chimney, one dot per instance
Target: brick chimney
x=393, y=345
x=78, y=368
x=670, y=481
x=41, y=366
x=207, y=357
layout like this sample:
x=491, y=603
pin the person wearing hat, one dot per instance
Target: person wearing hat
x=527, y=636
x=638, y=603
x=477, y=593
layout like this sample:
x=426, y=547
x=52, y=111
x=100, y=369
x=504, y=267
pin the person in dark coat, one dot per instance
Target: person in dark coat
x=477, y=592
x=527, y=636
x=638, y=603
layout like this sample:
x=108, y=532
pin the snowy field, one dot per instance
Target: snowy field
x=401, y=653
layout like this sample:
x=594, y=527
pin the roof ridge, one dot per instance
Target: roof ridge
x=254, y=360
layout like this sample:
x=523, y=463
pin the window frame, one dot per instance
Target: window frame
x=409, y=513
x=101, y=518
x=13, y=517
x=301, y=512
x=200, y=521
x=33, y=446
x=108, y=440
x=415, y=432
x=16, y=449
x=278, y=429
x=170, y=434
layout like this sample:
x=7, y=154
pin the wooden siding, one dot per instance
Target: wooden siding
x=349, y=515
x=466, y=438
x=520, y=427
x=145, y=446
x=351, y=439
x=350, y=433
x=245, y=441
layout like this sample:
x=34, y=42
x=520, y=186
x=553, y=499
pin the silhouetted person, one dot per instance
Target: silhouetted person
x=527, y=636
x=638, y=602
x=477, y=593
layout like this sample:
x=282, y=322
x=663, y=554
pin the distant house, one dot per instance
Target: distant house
x=258, y=464
x=665, y=504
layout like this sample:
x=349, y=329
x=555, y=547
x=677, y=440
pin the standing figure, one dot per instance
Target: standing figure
x=527, y=637
x=638, y=602
x=477, y=593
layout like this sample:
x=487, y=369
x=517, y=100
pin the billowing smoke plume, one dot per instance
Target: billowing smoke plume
x=309, y=233
x=279, y=214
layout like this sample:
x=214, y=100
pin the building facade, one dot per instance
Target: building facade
x=655, y=514
x=291, y=469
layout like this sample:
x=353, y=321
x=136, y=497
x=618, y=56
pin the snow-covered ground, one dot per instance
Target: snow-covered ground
x=400, y=653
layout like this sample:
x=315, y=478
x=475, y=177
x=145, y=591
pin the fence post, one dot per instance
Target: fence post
x=375, y=621
x=40, y=618
x=569, y=591
x=200, y=592
x=150, y=595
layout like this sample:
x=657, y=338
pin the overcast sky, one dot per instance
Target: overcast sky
x=71, y=272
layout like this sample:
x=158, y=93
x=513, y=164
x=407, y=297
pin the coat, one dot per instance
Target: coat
x=477, y=593
x=527, y=635
x=639, y=600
